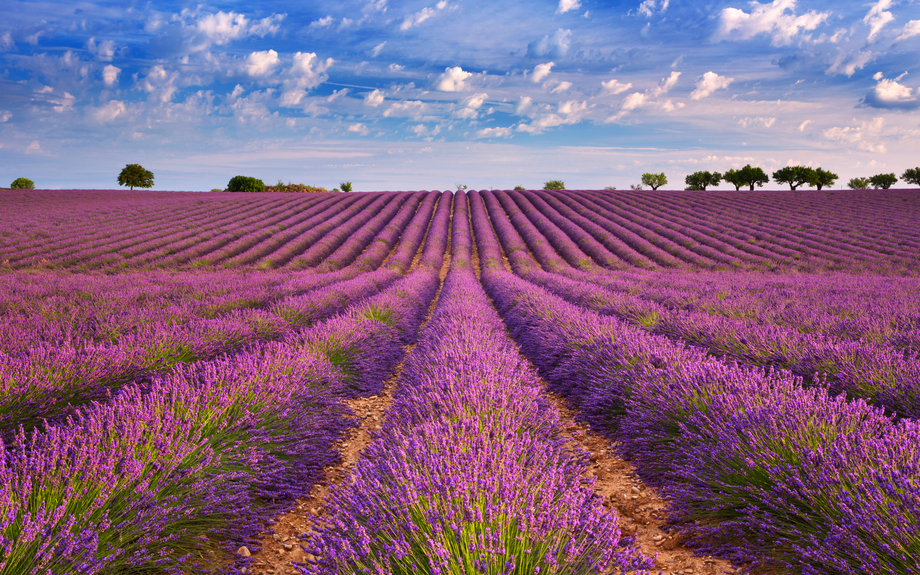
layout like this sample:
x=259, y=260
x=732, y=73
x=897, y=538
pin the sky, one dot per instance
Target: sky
x=431, y=94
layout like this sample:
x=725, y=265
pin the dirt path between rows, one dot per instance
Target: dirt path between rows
x=641, y=509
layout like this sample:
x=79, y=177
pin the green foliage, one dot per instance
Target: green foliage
x=702, y=180
x=654, y=181
x=554, y=185
x=216, y=190
x=858, y=184
x=883, y=181
x=134, y=175
x=635, y=186
x=280, y=187
x=795, y=176
x=911, y=176
x=746, y=176
x=518, y=188
x=610, y=187
x=821, y=177
x=23, y=184
x=245, y=184
x=345, y=186
x=461, y=187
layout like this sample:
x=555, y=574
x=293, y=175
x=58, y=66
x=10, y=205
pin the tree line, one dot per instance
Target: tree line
x=793, y=176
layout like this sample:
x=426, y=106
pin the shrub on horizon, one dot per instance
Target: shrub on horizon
x=821, y=177
x=22, y=184
x=554, y=185
x=345, y=186
x=858, y=183
x=883, y=181
x=654, y=181
x=746, y=176
x=702, y=180
x=518, y=188
x=245, y=184
x=795, y=176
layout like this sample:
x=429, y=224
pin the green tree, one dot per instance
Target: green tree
x=821, y=177
x=702, y=180
x=746, y=176
x=461, y=187
x=795, y=176
x=911, y=176
x=245, y=184
x=23, y=184
x=858, y=183
x=134, y=175
x=345, y=186
x=654, y=181
x=517, y=188
x=554, y=185
x=883, y=181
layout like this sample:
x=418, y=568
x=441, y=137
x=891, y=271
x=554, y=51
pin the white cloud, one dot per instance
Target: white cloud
x=376, y=51
x=395, y=67
x=566, y=5
x=422, y=15
x=633, y=101
x=6, y=42
x=709, y=83
x=849, y=62
x=110, y=75
x=260, y=64
x=160, y=84
x=523, y=105
x=453, y=80
x=306, y=73
x=863, y=136
x=408, y=108
x=648, y=7
x=103, y=51
x=911, y=29
x=541, y=71
x=804, y=125
x=34, y=148
x=758, y=121
x=555, y=46
x=891, y=94
x=5, y=116
x=359, y=129
x=877, y=18
x=373, y=99
x=422, y=131
x=615, y=87
x=322, y=23
x=666, y=84
x=225, y=27
x=471, y=105
x=336, y=94
x=109, y=111
x=771, y=19
x=561, y=87
x=494, y=133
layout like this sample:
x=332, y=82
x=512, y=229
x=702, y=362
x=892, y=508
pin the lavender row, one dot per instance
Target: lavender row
x=758, y=467
x=468, y=474
x=880, y=374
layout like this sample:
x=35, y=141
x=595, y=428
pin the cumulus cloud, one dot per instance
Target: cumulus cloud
x=422, y=131
x=541, y=71
x=260, y=64
x=615, y=87
x=709, y=83
x=892, y=95
x=561, y=87
x=453, y=80
x=306, y=73
x=110, y=75
x=569, y=112
x=523, y=105
x=424, y=14
x=877, y=18
x=555, y=46
x=849, y=62
x=778, y=20
x=321, y=23
x=224, y=27
x=758, y=121
x=649, y=7
x=911, y=29
x=566, y=5
x=34, y=148
x=376, y=51
x=109, y=111
x=409, y=108
x=103, y=51
x=494, y=133
x=373, y=99
x=864, y=136
x=645, y=99
x=359, y=129
x=159, y=83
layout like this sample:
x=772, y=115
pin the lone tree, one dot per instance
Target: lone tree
x=883, y=181
x=746, y=176
x=702, y=180
x=822, y=177
x=654, y=181
x=795, y=176
x=858, y=183
x=345, y=186
x=911, y=176
x=245, y=184
x=134, y=175
x=23, y=184
x=554, y=185
x=516, y=188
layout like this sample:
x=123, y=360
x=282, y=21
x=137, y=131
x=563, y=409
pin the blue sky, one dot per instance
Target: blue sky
x=432, y=93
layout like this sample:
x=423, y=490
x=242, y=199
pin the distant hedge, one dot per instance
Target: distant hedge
x=245, y=184
x=22, y=184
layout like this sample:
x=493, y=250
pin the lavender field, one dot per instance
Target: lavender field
x=501, y=382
